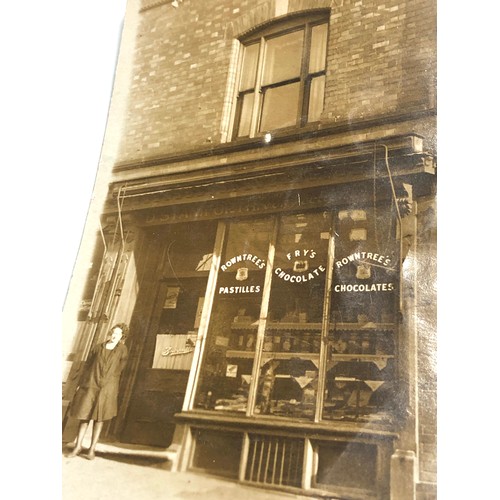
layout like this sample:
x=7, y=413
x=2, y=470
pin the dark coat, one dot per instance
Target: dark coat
x=97, y=395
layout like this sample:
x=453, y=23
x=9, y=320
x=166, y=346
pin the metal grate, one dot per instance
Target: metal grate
x=275, y=460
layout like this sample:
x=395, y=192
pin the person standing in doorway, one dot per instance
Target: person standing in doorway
x=96, y=398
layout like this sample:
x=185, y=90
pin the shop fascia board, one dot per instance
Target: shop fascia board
x=258, y=189
x=256, y=164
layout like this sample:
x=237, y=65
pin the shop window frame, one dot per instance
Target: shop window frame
x=326, y=328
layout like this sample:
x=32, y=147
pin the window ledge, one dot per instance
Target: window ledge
x=348, y=429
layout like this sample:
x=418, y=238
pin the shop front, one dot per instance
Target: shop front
x=270, y=338
x=297, y=381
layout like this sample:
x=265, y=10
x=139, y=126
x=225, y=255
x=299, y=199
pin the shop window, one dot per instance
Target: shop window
x=282, y=80
x=280, y=342
x=361, y=338
x=290, y=356
x=232, y=331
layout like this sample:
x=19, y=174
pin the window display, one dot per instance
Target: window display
x=232, y=332
x=361, y=337
x=289, y=364
x=282, y=343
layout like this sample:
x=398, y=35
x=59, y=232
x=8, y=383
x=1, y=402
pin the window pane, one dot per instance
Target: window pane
x=361, y=355
x=249, y=68
x=316, y=98
x=245, y=115
x=232, y=332
x=318, y=48
x=283, y=58
x=290, y=356
x=280, y=107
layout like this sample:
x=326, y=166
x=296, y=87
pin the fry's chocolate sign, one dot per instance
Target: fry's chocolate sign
x=302, y=271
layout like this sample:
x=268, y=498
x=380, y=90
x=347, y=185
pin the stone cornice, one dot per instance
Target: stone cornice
x=298, y=139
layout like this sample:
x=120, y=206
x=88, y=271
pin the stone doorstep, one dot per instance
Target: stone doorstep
x=133, y=450
x=137, y=451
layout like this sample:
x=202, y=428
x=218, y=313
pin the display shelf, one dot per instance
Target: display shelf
x=185, y=275
x=361, y=357
x=244, y=326
x=343, y=378
x=317, y=326
x=362, y=326
x=294, y=326
x=240, y=354
x=311, y=356
x=272, y=355
x=278, y=326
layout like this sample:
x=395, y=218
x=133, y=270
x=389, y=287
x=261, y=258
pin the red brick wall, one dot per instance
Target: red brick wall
x=381, y=58
x=380, y=61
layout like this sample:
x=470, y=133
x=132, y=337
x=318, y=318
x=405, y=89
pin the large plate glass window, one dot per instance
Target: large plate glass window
x=232, y=332
x=289, y=365
x=360, y=369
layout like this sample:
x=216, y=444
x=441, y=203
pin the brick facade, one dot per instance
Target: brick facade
x=179, y=92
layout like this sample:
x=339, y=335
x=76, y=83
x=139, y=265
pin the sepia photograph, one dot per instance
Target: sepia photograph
x=252, y=311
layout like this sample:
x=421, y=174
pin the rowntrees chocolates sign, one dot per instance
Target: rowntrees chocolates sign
x=365, y=272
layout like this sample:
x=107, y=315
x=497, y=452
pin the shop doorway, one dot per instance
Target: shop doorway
x=176, y=292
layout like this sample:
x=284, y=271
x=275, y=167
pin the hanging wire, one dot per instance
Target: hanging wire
x=172, y=267
x=400, y=222
x=103, y=237
x=392, y=183
x=375, y=229
x=120, y=206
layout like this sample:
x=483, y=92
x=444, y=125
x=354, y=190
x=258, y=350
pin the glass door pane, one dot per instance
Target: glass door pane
x=232, y=333
x=289, y=365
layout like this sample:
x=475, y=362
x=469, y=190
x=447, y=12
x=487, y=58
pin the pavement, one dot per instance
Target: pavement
x=138, y=473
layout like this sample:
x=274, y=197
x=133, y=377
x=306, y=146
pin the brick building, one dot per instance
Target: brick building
x=265, y=221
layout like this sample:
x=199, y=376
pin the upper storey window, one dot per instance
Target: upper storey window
x=282, y=79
